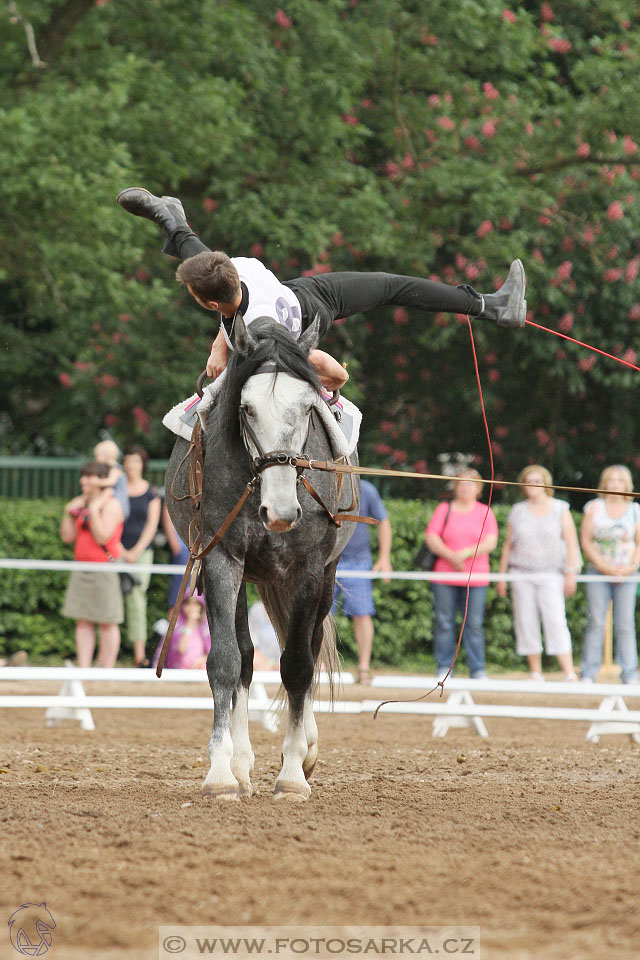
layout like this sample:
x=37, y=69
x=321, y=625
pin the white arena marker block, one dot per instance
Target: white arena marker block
x=603, y=727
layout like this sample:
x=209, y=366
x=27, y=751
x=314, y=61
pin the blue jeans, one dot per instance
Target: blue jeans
x=623, y=596
x=448, y=600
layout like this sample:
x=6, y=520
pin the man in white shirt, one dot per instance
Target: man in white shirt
x=232, y=284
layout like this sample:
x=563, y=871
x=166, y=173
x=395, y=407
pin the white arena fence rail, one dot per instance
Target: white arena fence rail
x=459, y=710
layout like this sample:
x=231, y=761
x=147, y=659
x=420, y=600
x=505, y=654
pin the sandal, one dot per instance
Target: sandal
x=364, y=678
x=142, y=663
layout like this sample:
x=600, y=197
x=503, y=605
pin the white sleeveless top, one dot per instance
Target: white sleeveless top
x=268, y=297
x=615, y=538
x=537, y=543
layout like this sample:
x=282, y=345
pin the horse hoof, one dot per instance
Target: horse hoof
x=297, y=792
x=212, y=791
x=245, y=790
x=308, y=770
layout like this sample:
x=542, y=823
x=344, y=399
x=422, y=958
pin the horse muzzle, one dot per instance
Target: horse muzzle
x=281, y=521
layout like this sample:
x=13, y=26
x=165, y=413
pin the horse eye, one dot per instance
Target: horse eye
x=247, y=410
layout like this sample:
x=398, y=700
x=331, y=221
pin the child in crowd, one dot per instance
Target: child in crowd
x=191, y=639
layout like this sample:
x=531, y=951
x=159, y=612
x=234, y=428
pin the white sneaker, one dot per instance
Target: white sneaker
x=586, y=680
x=536, y=677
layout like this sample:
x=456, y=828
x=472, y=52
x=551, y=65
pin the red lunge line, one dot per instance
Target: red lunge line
x=486, y=430
x=582, y=344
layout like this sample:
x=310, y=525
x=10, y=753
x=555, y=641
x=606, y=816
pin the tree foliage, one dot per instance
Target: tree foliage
x=430, y=138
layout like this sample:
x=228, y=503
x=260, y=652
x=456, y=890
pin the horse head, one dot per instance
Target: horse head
x=275, y=409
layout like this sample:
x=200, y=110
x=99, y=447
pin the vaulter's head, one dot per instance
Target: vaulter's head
x=212, y=280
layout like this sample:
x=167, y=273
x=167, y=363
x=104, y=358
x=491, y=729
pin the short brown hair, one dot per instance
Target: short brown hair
x=138, y=451
x=211, y=275
x=95, y=469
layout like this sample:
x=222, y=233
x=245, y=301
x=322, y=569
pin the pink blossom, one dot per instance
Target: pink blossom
x=142, y=275
x=611, y=136
x=529, y=129
x=588, y=235
x=630, y=146
x=506, y=224
x=501, y=432
x=630, y=356
x=472, y=143
x=564, y=270
x=509, y=16
x=65, y=380
x=634, y=313
x=567, y=244
x=407, y=161
x=81, y=365
x=102, y=3
x=282, y=19
x=209, y=204
x=537, y=255
x=546, y=13
x=257, y=250
x=489, y=128
x=544, y=221
x=559, y=45
x=566, y=323
x=392, y=170
x=471, y=271
x=561, y=354
x=108, y=380
x=446, y=123
x=427, y=38
x=111, y=420
x=631, y=271
x=382, y=448
x=490, y=91
x=612, y=275
x=615, y=211
x=485, y=227
x=401, y=376
x=400, y=316
x=142, y=418
x=494, y=375
x=399, y=455
x=124, y=317
x=583, y=149
x=420, y=466
x=461, y=261
x=585, y=364
x=434, y=99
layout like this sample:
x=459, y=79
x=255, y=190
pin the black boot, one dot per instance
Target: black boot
x=507, y=306
x=167, y=212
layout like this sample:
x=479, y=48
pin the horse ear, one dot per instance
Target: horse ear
x=311, y=337
x=243, y=339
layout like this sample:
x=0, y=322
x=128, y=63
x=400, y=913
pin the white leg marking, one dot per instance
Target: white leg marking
x=220, y=781
x=291, y=781
x=243, y=758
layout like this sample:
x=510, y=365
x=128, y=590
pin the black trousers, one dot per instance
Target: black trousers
x=335, y=295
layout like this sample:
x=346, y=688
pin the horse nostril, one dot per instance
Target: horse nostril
x=263, y=514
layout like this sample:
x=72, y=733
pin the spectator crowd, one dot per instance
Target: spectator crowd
x=118, y=513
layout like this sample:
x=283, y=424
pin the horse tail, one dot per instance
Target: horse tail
x=277, y=605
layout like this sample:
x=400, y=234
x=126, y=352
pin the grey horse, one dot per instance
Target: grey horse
x=282, y=539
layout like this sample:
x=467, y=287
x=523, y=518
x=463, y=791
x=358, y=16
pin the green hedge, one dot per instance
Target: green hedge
x=30, y=600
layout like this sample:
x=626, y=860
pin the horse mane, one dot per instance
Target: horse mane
x=269, y=342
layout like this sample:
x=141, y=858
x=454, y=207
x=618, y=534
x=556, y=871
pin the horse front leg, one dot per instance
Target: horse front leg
x=221, y=586
x=300, y=747
x=243, y=758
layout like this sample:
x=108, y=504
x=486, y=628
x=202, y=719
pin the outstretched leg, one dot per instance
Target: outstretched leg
x=343, y=294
